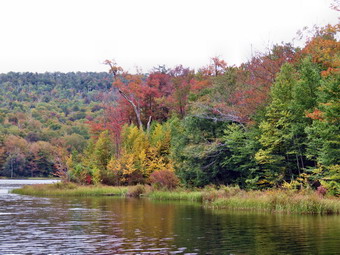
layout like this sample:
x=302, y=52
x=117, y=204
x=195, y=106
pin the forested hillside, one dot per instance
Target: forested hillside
x=44, y=115
x=270, y=122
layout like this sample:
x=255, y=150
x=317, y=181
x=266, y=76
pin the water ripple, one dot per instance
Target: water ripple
x=31, y=225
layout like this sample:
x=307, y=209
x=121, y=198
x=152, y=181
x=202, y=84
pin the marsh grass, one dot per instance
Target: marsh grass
x=307, y=202
x=176, y=195
x=70, y=189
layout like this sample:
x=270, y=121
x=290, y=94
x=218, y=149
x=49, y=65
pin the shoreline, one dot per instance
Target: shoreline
x=277, y=201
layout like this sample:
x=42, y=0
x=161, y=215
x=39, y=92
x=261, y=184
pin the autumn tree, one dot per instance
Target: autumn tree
x=133, y=93
x=43, y=158
x=255, y=79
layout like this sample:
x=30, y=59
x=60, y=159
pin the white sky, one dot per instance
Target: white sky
x=78, y=35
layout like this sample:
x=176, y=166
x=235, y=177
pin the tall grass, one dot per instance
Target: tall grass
x=176, y=195
x=70, y=189
x=280, y=201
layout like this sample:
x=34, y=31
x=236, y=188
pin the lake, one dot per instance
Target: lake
x=108, y=225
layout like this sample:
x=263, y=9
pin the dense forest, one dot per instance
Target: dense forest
x=44, y=115
x=270, y=122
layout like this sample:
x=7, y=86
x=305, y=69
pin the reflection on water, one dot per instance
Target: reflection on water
x=110, y=225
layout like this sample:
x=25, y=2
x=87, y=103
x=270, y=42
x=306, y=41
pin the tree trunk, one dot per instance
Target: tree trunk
x=148, y=125
x=135, y=108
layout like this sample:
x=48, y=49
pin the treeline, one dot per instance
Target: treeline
x=44, y=87
x=271, y=122
x=43, y=118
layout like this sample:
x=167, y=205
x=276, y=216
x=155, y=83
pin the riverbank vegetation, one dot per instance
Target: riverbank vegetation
x=223, y=197
x=268, y=125
x=70, y=189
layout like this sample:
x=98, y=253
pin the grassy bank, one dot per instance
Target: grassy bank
x=176, y=195
x=70, y=189
x=284, y=201
x=306, y=202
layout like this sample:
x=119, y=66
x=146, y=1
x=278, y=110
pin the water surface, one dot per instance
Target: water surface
x=107, y=225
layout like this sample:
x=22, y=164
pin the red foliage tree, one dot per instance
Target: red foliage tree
x=181, y=81
x=255, y=79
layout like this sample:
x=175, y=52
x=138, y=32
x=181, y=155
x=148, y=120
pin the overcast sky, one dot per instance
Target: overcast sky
x=78, y=35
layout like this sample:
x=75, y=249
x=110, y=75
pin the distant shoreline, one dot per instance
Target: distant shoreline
x=29, y=178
